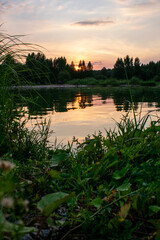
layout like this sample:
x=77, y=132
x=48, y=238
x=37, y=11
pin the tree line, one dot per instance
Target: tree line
x=129, y=67
x=38, y=69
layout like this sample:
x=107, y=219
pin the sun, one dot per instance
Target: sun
x=77, y=68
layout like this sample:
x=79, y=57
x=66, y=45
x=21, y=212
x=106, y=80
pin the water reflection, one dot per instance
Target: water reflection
x=78, y=112
x=63, y=100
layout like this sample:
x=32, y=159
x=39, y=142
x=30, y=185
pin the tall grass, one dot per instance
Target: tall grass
x=13, y=134
x=18, y=145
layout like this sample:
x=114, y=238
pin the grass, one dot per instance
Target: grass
x=111, y=182
x=106, y=186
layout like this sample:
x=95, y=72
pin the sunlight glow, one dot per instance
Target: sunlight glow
x=77, y=68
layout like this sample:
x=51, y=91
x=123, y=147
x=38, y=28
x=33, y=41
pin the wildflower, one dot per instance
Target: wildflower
x=7, y=202
x=6, y=165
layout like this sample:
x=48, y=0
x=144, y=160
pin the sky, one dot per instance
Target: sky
x=99, y=31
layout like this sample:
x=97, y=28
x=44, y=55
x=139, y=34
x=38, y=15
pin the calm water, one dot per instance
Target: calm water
x=82, y=111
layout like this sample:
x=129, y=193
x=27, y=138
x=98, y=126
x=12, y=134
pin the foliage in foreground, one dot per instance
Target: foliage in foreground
x=106, y=186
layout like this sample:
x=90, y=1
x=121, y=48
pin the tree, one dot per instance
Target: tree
x=104, y=72
x=89, y=66
x=119, y=69
x=59, y=63
x=9, y=60
x=137, y=67
x=82, y=66
x=63, y=76
x=128, y=65
x=72, y=66
x=8, y=69
x=39, y=69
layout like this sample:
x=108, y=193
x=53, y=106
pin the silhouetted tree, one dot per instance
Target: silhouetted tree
x=9, y=60
x=137, y=67
x=89, y=66
x=128, y=65
x=59, y=63
x=72, y=66
x=82, y=66
x=104, y=72
x=119, y=69
x=39, y=69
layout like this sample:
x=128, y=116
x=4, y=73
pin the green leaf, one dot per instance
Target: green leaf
x=50, y=202
x=112, y=164
x=57, y=159
x=154, y=208
x=97, y=202
x=124, y=187
x=124, y=211
x=121, y=173
x=14, y=228
x=55, y=174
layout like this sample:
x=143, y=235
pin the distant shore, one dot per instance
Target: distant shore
x=49, y=86
x=70, y=86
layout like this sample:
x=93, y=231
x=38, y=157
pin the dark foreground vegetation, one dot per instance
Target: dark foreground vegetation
x=107, y=187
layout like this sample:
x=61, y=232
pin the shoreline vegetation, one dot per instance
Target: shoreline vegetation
x=108, y=187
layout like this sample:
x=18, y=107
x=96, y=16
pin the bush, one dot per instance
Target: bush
x=134, y=81
x=148, y=83
x=110, y=82
x=156, y=78
x=100, y=77
x=63, y=76
x=84, y=81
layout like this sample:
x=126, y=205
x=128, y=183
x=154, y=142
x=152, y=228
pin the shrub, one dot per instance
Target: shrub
x=111, y=81
x=83, y=81
x=100, y=77
x=156, y=78
x=148, y=83
x=63, y=76
x=134, y=81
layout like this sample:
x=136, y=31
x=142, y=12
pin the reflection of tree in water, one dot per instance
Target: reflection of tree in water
x=121, y=100
x=62, y=100
x=56, y=100
x=122, y=97
x=85, y=101
x=125, y=106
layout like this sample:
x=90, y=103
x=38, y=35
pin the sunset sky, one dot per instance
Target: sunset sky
x=99, y=31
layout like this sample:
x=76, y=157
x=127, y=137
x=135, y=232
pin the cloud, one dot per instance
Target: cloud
x=5, y=5
x=141, y=9
x=94, y=23
x=143, y=5
x=99, y=63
